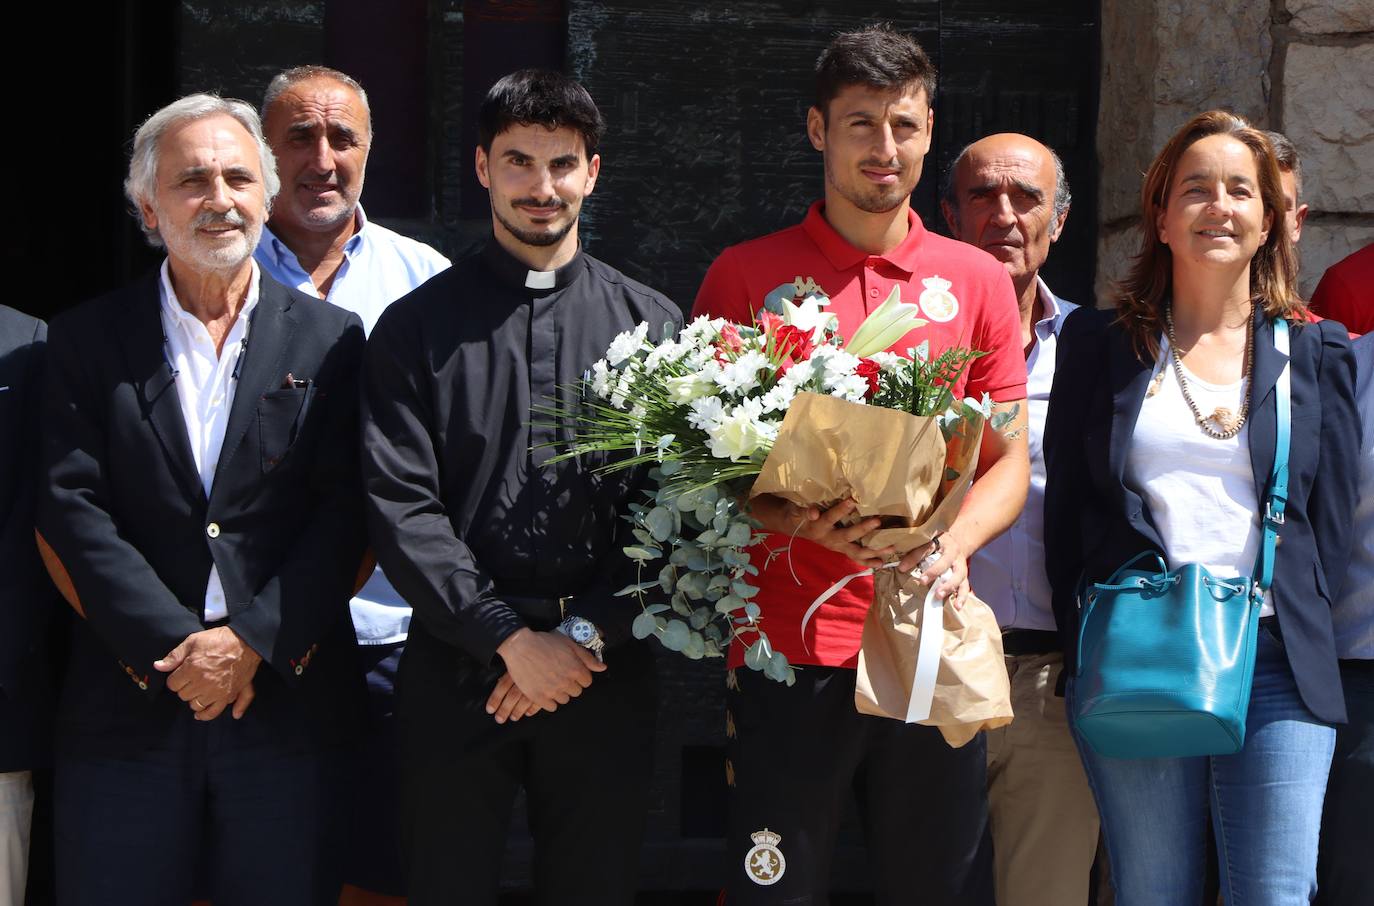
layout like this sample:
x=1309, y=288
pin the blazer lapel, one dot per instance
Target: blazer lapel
x=145, y=353
x=269, y=337
x=1130, y=378
x=1263, y=417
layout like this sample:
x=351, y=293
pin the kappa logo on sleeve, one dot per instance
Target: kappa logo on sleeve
x=765, y=863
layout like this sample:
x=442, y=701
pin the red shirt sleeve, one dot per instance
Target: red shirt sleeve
x=725, y=292
x=1336, y=300
x=1001, y=374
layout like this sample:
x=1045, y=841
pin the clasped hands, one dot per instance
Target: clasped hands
x=212, y=670
x=823, y=527
x=543, y=670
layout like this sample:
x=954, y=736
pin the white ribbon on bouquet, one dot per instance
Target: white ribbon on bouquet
x=928, y=650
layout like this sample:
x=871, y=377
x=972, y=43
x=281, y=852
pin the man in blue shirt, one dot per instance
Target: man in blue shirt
x=1007, y=194
x=318, y=240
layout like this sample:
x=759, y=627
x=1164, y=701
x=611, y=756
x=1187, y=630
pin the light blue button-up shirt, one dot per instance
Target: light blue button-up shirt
x=379, y=267
x=1353, y=611
x=1008, y=573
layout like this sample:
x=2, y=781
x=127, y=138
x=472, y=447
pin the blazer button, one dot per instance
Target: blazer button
x=300, y=669
x=142, y=685
x=212, y=530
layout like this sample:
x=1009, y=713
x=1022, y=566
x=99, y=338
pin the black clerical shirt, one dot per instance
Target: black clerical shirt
x=466, y=514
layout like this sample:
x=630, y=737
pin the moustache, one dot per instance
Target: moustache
x=553, y=204
x=873, y=164
x=213, y=218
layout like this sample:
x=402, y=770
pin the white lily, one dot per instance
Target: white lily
x=887, y=324
x=807, y=315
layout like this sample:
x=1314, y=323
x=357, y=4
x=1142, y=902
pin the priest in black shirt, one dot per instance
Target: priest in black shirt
x=520, y=671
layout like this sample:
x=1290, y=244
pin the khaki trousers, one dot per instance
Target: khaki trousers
x=16, y=813
x=1044, y=820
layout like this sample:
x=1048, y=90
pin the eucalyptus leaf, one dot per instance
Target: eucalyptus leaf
x=710, y=536
x=635, y=589
x=660, y=523
x=643, y=552
x=752, y=611
x=756, y=656
x=670, y=467
x=700, y=617
x=695, y=649
x=739, y=534
x=667, y=578
x=729, y=604
x=744, y=589
x=653, y=609
x=675, y=636
x=643, y=626
x=704, y=513
x=777, y=667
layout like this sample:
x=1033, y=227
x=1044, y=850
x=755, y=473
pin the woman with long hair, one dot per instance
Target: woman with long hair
x=1161, y=437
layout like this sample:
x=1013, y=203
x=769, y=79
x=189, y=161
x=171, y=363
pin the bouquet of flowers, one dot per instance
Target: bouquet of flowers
x=704, y=410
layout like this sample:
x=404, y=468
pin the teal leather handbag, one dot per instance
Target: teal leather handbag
x=1166, y=657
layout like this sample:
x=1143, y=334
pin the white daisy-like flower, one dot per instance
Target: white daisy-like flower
x=667, y=351
x=850, y=387
x=742, y=375
x=627, y=343
x=779, y=398
x=601, y=379
x=706, y=413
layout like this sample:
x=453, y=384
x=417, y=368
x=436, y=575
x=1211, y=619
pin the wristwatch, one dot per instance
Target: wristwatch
x=584, y=633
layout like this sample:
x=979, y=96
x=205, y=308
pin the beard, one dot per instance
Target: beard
x=538, y=239
x=872, y=199
x=191, y=247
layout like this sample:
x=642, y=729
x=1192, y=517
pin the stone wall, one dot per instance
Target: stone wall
x=1302, y=67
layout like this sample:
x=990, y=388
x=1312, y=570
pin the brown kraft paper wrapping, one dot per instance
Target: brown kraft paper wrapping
x=894, y=466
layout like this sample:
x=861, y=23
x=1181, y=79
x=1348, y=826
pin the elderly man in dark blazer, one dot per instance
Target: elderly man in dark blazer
x=202, y=493
x=25, y=599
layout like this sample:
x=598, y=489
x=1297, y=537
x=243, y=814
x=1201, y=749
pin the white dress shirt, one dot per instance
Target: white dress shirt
x=1008, y=573
x=205, y=384
x=379, y=267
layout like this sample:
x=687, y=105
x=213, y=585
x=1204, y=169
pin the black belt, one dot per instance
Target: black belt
x=1022, y=642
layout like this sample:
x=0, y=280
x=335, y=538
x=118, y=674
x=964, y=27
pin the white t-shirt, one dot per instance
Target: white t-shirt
x=1200, y=491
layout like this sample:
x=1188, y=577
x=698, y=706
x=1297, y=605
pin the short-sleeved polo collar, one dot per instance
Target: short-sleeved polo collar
x=843, y=256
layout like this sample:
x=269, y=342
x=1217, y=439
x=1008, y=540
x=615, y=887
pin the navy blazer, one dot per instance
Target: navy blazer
x=123, y=507
x=1094, y=522
x=26, y=595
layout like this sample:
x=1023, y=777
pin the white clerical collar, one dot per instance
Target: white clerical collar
x=540, y=279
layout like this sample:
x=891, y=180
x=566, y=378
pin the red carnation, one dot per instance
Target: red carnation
x=869, y=371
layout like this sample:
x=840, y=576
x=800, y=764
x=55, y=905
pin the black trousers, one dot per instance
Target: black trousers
x=585, y=769
x=797, y=753
x=261, y=814
x=1344, y=875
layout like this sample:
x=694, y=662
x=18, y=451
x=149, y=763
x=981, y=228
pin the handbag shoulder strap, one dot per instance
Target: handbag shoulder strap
x=1277, y=499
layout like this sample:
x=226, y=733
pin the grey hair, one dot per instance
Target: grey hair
x=1287, y=158
x=297, y=74
x=141, y=183
x=1062, y=196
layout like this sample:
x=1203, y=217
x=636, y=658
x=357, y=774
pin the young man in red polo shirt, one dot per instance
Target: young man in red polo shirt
x=796, y=752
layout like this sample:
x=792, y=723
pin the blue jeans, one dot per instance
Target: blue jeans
x=1266, y=805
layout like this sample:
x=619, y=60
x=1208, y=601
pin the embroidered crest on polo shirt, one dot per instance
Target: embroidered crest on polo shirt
x=937, y=302
x=765, y=863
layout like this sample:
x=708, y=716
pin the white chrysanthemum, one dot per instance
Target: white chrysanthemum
x=706, y=413
x=623, y=384
x=890, y=361
x=742, y=375
x=780, y=397
x=601, y=379
x=837, y=365
x=663, y=353
x=799, y=375
x=850, y=387
x=701, y=330
x=627, y=343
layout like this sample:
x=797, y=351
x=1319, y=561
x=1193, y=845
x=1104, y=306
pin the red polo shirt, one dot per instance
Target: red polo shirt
x=1346, y=292
x=929, y=269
